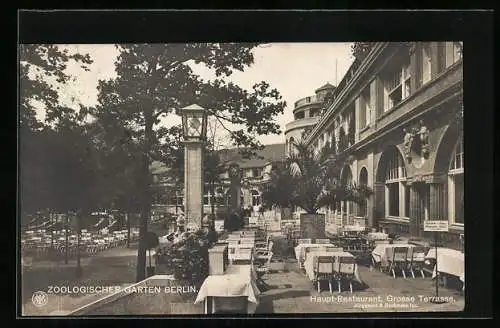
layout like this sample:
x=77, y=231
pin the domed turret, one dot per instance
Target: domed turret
x=324, y=90
x=326, y=87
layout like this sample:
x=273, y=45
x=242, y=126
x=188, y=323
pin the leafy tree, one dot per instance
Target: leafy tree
x=39, y=63
x=154, y=79
x=310, y=180
x=42, y=72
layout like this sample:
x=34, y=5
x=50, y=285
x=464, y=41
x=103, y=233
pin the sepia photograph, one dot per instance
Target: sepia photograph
x=241, y=178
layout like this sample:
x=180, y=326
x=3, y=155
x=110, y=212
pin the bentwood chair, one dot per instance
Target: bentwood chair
x=323, y=270
x=345, y=271
x=263, y=268
x=417, y=260
x=399, y=260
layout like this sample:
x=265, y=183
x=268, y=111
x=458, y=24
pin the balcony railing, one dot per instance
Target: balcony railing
x=302, y=122
x=308, y=100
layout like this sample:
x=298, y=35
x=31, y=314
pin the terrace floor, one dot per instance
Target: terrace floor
x=112, y=267
x=290, y=291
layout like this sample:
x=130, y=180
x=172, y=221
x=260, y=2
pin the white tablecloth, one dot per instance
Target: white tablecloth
x=353, y=228
x=240, y=252
x=300, y=250
x=383, y=252
x=247, y=240
x=311, y=258
x=450, y=261
x=238, y=281
x=377, y=236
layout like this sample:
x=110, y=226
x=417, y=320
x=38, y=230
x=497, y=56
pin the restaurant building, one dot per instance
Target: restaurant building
x=306, y=113
x=398, y=115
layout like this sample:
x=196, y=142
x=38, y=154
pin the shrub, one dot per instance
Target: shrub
x=186, y=259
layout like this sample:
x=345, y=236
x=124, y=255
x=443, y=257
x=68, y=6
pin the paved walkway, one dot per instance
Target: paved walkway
x=113, y=267
x=292, y=292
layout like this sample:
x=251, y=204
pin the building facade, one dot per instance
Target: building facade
x=306, y=113
x=398, y=114
x=168, y=198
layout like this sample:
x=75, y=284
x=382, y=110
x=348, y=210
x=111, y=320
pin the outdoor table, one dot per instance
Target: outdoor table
x=300, y=250
x=450, y=261
x=237, y=283
x=384, y=252
x=311, y=259
x=240, y=253
x=247, y=240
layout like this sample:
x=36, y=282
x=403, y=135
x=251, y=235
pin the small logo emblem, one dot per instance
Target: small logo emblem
x=39, y=298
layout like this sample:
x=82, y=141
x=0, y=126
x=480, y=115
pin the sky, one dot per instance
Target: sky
x=294, y=69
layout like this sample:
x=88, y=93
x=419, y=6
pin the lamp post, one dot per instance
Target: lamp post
x=194, y=126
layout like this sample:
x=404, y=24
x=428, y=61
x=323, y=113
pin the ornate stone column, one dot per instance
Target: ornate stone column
x=415, y=79
x=414, y=210
x=378, y=202
x=193, y=177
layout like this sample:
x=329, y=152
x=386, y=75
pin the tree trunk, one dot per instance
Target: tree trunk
x=127, y=218
x=149, y=252
x=78, y=232
x=52, y=223
x=66, y=240
x=212, y=196
x=146, y=198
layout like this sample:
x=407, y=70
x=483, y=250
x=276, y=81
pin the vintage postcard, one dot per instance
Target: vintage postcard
x=243, y=178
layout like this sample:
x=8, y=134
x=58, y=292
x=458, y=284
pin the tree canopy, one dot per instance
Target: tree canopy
x=310, y=180
x=156, y=80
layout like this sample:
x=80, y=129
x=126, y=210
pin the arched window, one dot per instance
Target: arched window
x=456, y=185
x=363, y=182
x=396, y=192
x=256, y=200
x=347, y=206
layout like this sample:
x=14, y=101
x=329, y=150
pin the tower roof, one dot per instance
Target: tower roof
x=327, y=86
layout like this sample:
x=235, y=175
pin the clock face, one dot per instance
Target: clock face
x=194, y=126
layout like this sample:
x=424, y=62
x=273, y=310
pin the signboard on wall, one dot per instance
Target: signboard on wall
x=436, y=225
x=219, y=225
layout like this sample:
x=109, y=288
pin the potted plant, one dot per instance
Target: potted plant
x=152, y=241
x=310, y=180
